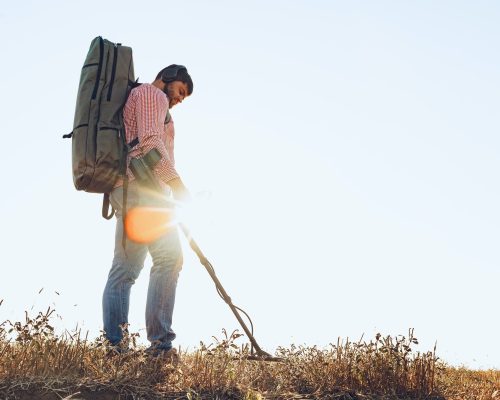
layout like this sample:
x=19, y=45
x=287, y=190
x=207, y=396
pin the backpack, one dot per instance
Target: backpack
x=99, y=150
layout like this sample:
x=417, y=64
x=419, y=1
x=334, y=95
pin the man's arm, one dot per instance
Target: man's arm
x=150, y=104
x=150, y=124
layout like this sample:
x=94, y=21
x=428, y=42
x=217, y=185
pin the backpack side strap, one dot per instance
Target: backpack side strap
x=106, y=206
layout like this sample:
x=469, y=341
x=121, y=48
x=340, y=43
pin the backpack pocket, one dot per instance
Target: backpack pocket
x=82, y=172
x=107, y=159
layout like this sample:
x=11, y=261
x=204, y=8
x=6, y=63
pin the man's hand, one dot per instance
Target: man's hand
x=180, y=191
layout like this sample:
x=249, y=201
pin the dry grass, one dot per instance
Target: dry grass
x=461, y=383
x=36, y=362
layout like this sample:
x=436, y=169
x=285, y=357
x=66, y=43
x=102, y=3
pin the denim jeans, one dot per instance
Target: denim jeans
x=128, y=262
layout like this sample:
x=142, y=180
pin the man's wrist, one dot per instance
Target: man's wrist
x=179, y=189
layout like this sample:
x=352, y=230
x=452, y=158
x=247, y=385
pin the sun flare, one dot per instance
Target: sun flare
x=146, y=224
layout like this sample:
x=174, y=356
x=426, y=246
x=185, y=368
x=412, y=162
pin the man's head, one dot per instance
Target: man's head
x=175, y=82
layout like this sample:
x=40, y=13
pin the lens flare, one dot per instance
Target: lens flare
x=146, y=224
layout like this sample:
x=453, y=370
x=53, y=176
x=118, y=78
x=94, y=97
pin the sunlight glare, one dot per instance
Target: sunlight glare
x=146, y=224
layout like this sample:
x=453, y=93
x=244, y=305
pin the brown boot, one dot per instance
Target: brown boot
x=170, y=356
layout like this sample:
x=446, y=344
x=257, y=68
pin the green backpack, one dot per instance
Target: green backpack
x=100, y=150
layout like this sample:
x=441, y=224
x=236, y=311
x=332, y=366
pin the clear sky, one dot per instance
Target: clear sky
x=349, y=149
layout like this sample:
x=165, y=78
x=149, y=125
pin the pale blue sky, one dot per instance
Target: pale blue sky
x=350, y=149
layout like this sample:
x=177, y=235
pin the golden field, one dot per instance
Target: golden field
x=37, y=363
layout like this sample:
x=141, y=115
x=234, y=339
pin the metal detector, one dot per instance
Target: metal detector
x=142, y=170
x=256, y=353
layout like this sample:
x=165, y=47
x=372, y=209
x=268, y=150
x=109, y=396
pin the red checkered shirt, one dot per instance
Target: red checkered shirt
x=144, y=118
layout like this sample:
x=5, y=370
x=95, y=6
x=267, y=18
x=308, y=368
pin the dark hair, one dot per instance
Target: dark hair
x=182, y=75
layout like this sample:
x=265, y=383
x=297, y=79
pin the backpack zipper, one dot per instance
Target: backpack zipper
x=90, y=65
x=113, y=71
x=101, y=51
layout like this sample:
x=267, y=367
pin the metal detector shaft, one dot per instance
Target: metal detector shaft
x=225, y=296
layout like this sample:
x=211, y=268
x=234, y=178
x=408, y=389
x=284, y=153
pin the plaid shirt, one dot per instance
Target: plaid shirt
x=144, y=118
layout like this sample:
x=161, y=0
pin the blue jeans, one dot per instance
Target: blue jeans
x=127, y=264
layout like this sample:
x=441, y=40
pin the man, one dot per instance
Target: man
x=148, y=124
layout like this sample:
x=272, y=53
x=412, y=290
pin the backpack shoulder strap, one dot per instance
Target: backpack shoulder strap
x=168, y=117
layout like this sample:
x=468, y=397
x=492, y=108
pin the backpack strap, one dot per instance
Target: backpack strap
x=105, y=207
x=124, y=214
x=133, y=143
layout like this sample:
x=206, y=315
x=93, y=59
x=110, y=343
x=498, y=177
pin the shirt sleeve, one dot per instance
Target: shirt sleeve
x=151, y=109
